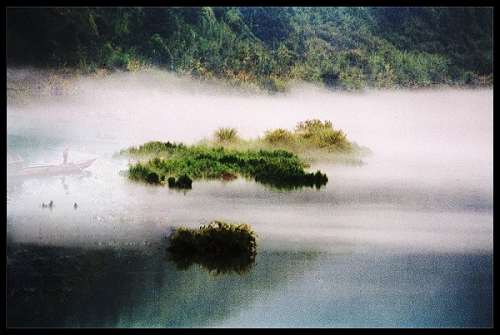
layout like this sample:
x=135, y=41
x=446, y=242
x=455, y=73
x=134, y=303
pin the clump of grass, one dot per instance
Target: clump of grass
x=220, y=247
x=279, y=135
x=315, y=133
x=314, y=140
x=217, y=238
x=226, y=134
x=311, y=139
x=310, y=134
x=154, y=148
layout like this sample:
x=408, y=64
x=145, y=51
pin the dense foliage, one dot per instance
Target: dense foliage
x=277, y=168
x=263, y=47
x=220, y=247
x=218, y=238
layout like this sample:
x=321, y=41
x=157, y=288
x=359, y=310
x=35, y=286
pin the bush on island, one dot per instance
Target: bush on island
x=219, y=247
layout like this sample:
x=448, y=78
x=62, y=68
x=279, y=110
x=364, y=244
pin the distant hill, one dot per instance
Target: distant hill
x=267, y=48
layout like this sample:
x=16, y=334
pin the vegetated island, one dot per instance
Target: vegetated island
x=272, y=160
x=220, y=247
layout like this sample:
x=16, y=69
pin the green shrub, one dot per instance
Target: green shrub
x=218, y=238
x=154, y=147
x=152, y=178
x=138, y=172
x=171, y=182
x=184, y=182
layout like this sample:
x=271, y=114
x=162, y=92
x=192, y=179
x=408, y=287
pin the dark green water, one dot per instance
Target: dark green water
x=68, y=287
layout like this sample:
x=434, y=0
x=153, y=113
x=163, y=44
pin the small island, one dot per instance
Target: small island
x=272, y=160
x=220, y=247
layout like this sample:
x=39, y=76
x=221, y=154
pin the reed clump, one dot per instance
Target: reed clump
x=226, y=134
x=216, y=238
x=310, y=135
x=220, y=247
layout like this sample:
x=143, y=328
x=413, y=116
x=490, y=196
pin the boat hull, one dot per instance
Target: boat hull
x=49, y=170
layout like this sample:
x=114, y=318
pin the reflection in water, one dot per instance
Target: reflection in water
x=64, y=184
x=227, y=264
x=72, y=287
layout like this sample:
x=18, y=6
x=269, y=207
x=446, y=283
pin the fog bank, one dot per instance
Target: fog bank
x=432, y=152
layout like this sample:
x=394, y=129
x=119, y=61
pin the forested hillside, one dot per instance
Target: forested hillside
x=265, y=48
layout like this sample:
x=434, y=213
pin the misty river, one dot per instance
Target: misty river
x=403, y=240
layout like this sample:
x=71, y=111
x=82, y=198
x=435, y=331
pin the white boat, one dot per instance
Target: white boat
x=15, y=167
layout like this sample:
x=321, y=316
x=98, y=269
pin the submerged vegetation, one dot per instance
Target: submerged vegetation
x=220, y=247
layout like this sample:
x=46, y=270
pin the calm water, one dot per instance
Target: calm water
x=404, y=240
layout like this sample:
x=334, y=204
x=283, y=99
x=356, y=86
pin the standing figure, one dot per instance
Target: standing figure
x=65, y=155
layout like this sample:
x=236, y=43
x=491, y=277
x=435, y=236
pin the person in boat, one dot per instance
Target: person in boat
x=65, y=156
